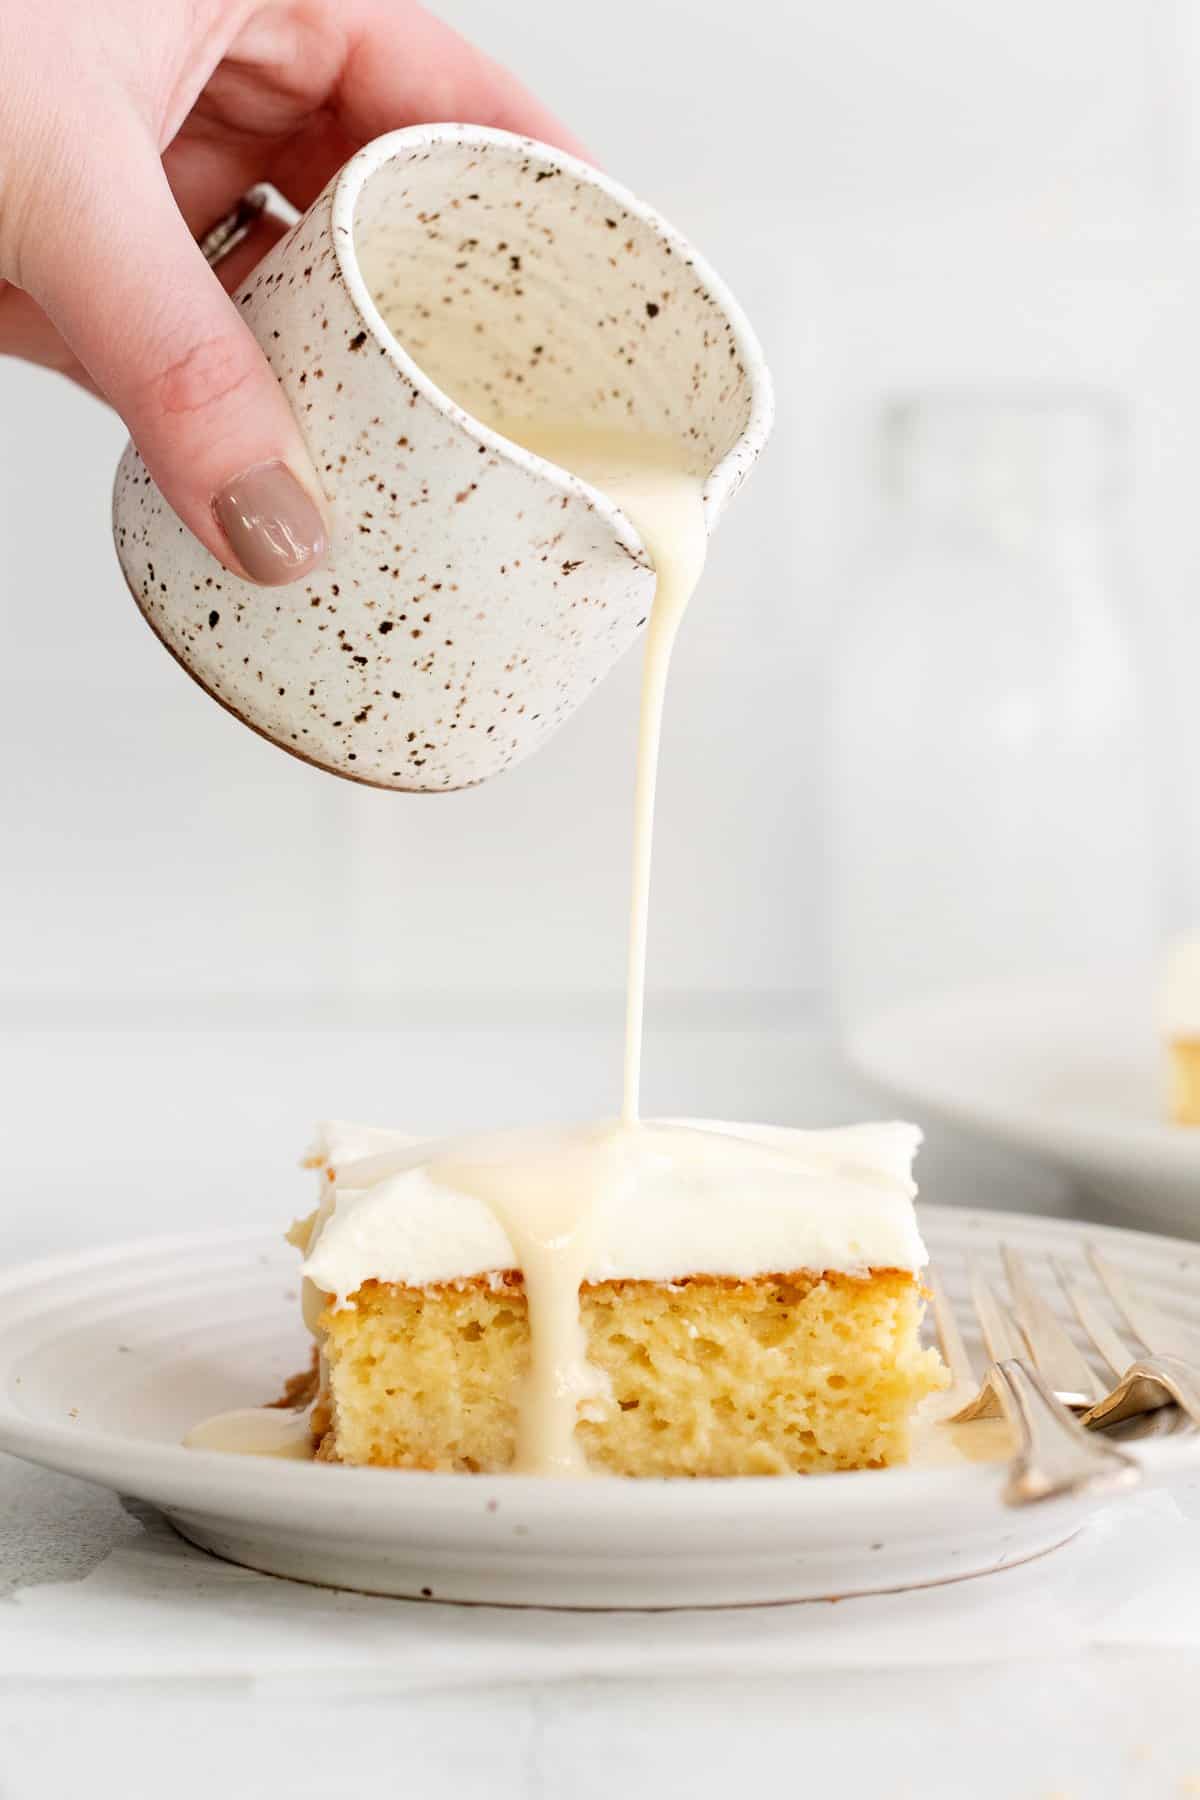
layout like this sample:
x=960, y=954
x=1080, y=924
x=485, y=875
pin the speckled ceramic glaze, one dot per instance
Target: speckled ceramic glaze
x=475, y=593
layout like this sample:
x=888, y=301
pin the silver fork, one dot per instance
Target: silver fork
x=1055, y=1456
x=1165, y=1370
x=1145, y=1383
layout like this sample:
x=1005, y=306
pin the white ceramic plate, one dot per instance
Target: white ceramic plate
x=1074, y=1076
x=106, y=1359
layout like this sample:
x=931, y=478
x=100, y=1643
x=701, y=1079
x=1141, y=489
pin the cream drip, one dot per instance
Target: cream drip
x=622, y=1200
x=544, y=1191
x=650, y=480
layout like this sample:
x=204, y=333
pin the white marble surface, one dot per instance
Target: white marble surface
x=131, y=1664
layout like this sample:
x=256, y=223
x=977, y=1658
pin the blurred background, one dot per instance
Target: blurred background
x=207, y=944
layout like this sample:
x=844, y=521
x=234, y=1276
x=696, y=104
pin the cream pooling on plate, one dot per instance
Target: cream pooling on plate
x=651, y=480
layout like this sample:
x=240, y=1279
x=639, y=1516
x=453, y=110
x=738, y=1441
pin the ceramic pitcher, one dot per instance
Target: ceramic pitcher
x=474, y=593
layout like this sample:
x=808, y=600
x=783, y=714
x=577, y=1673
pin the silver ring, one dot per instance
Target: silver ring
x=241, y=219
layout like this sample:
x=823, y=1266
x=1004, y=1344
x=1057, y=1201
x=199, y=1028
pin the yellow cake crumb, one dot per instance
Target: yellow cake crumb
x=707, y=1376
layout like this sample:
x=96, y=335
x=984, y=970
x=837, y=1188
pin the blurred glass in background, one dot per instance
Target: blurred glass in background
x=991, y=824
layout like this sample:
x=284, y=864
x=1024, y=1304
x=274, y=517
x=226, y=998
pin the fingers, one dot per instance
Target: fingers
x=405, y=67
x=122, y=279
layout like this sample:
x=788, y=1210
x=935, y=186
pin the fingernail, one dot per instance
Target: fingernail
x=272, y=525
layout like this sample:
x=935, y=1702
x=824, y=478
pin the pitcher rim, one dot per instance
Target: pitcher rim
x=725, y=475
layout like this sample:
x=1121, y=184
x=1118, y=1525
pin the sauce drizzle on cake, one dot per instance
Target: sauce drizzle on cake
x=624, y=1200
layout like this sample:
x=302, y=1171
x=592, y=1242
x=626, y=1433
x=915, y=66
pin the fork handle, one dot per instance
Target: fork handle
x=1056, y=1458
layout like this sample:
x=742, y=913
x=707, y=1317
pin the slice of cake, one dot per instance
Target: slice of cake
x=1180, y=1007
x=657, y=1300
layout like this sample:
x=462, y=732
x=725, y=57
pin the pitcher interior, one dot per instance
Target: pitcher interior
x=525, y=292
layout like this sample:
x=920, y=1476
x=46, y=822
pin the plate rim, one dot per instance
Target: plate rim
x=1149, y=1149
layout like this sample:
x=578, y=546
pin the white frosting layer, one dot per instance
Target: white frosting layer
x=1179, y=1003
x=675, y=1200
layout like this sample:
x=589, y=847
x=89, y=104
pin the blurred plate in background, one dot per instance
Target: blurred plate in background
x=1069, y=1073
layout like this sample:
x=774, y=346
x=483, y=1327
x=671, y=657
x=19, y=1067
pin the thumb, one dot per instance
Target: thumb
x=130, y=291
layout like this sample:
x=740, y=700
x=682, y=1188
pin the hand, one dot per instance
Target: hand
x=127, y=128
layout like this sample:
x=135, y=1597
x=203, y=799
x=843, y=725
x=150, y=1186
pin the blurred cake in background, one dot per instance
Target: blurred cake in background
x=1180, y=1013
